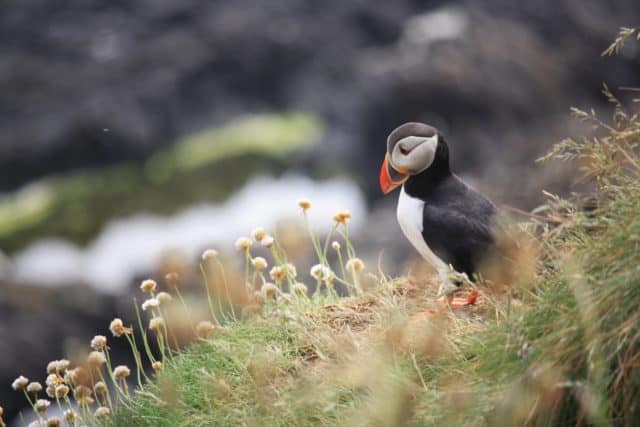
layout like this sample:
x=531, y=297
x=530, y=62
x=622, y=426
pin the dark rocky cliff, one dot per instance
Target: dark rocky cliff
x=89, y=82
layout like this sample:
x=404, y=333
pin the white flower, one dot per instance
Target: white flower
x=20, y=383
x=278, y=273
x=58, y=366
x=342, y=216
x=99, y=342
x=34, y=387
x=259, y=263
x=335, y=245
x=148, y=286
x=100, y=388
x=53, y=380
x=355, y=265
x=267, y=241
x=61, y=391
x=269, y=291
x=151, y=302
x=209, y=255
x=117, y=328
x=258, y=234
x=322, y=273
x=102, y=412
x=243, y=244
x=121, y=372
x=304, y=204
x=42, y=405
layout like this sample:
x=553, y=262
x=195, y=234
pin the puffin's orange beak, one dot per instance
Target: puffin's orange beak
x=387, y=184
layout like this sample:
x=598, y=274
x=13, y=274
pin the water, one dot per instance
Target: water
x=133, y=245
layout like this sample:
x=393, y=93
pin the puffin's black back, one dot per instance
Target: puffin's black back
x=457, y=220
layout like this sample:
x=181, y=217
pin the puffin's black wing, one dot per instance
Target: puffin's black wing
x=457, y=224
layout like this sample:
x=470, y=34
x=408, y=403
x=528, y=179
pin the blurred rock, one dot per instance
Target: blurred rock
x=93, y=82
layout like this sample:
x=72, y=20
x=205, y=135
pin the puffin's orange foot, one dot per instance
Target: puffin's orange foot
x=472, y=297
x=461, y=302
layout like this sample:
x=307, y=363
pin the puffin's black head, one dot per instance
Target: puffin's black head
x=413, y=149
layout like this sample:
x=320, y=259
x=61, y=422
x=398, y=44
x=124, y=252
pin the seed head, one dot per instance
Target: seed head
x=58, y=366
x=70, y=416
x=300, y=290
x=151, y=302
x=102, y=413
x=61, y=391
x=96, y=358
x=81, y=391
x=34, y=387
x=51, y=391
x=121, y=372
x=342, y=217
x=164, y=298
x=42, y=405
x=100, y=388
x=53, y=380
x=304, y=204
x=148, y=286
x=204, y=329
x=209, y=255
x=322, y=273
x=269, y=291
x=20, y=383
x=99, y=342
x=54, y=422
x=156, y=324
x=117, y=328
x=157, y=365
x=267, y=241
x=259, y=263
x=335, y=245
x=355, y=265
x=243, y=244
x=258, y=234
x=278, y=273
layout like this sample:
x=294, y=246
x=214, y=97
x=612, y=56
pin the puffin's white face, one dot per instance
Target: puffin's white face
x=414, y=154
x=411, y=149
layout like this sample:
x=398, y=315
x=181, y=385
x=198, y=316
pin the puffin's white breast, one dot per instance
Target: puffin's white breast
x=410, y=215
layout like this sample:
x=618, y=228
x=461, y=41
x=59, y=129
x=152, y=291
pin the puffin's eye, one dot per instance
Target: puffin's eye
x=403, y=151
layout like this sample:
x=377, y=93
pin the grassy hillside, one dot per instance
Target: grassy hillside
x=562, y=352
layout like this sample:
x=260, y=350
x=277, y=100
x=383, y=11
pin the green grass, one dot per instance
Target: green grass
x=218, y=379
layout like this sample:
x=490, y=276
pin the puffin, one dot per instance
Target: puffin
x=450, y=224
